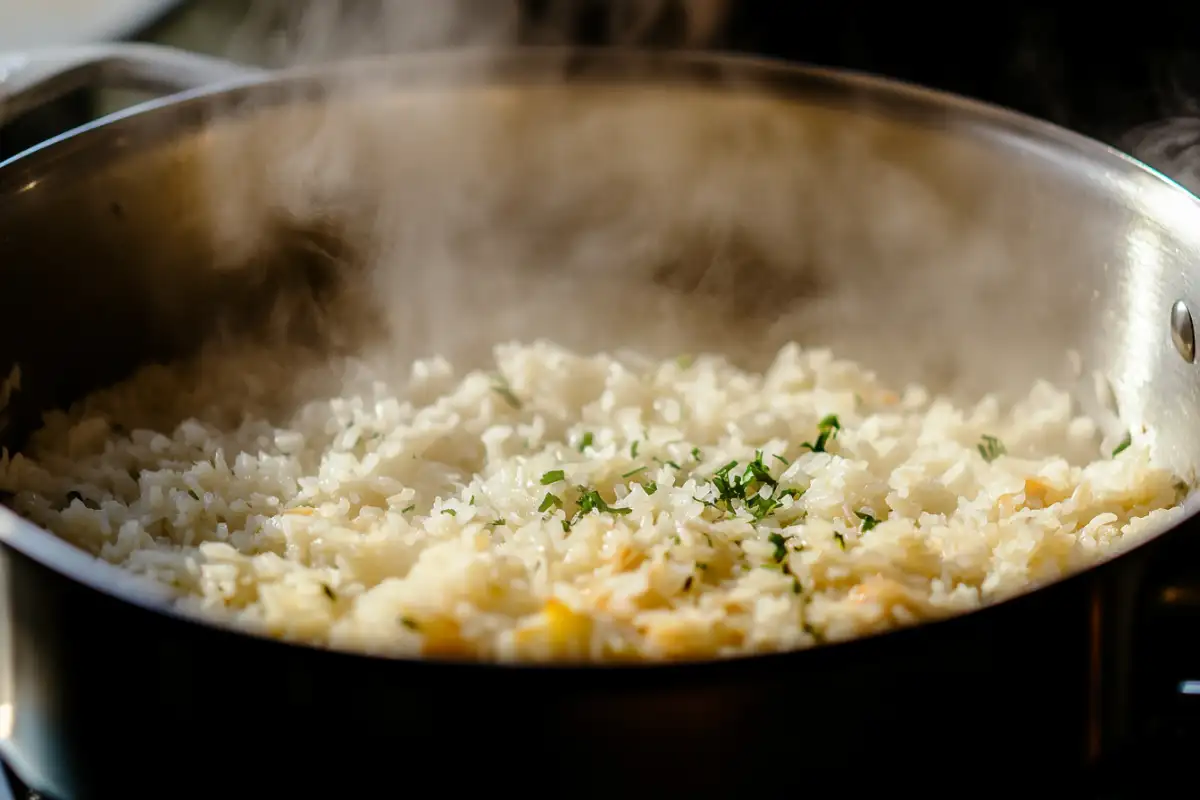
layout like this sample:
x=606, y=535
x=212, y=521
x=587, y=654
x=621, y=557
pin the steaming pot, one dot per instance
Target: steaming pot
x=727, y=202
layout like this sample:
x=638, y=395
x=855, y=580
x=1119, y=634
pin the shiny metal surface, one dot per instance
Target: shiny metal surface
x=1183, y=332
x=34, y=78
x=602, y=200
x=707, y=203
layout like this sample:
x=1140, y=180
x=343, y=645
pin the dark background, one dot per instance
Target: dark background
x=1101, y=73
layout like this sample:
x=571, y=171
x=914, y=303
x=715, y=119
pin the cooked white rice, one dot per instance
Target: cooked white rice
x=572, y=507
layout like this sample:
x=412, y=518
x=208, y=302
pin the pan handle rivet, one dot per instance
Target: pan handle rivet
x=1183, y=334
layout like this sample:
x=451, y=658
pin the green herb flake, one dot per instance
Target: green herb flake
x=755, y=488
x=633, y=472
x=781, y=459
x=553, y=476
x=841, y=540
x=329, y=592
x=408, y=508
x=550, y=502
x=697, y=455
x=586, y=441
x=591, y=501
x=729, y=487
x=780, y=544
x=450, y=511
x=633, y=449
x=195, y=495
x=500, y=386
x=566, y=526
x=990, y=448
x=1123, y=446
x=410, y=623
x=700, y=565
x=756, y=470
x=496, y=523
x=651, y=487
x=827, y=431
x=868, y=521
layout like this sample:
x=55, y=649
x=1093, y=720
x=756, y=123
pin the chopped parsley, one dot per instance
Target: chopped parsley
x=868, y=521
x=651, y=487
x=827, y=431
x=782, y=459
x=758, y=471
x=633, y=472
x=668, y=463
x=501, y=387
x=1123, y=446
x=633, y=449
x=550, y=502
x=748, y=488
x=410, y=623
x=841, y=540
x=586, y=441
x=497, y=523
x=329, y=592
x=697, y=455
x=591, y=501
x=450, y=511
x=553, y=476
x=780, y=543
x=408, y=508
x=990, y=448
x=195, y=495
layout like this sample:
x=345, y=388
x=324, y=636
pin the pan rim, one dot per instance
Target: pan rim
x=628, y=66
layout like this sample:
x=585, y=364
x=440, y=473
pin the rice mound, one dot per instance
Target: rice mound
x=570, y=507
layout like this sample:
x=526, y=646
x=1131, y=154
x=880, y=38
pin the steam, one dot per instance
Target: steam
x=298, y=32
x=446, y=202
x=1171, y=146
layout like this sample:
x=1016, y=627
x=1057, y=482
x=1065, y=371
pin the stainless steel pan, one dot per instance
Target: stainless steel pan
x=600, y=199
